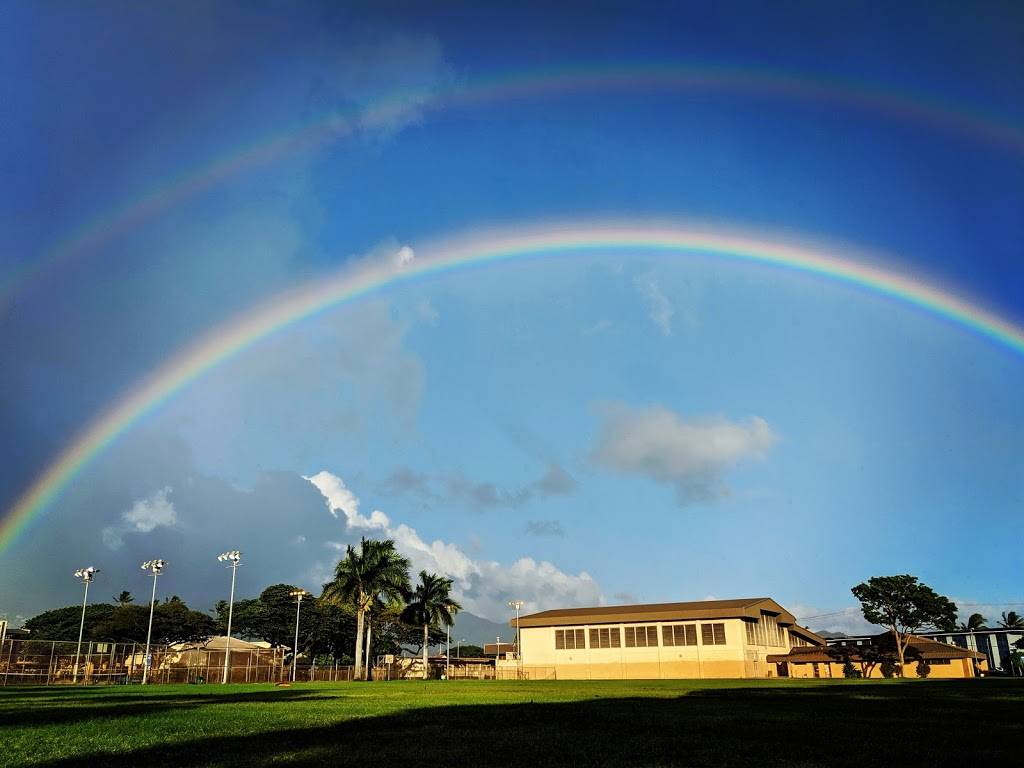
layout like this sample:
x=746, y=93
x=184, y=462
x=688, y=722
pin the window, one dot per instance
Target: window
x=712, y=634
x=604, y=637
x=569, y=639
x=933, y=662
x=641, y=637
x=679, y=634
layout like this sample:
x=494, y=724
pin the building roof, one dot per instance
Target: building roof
x=747, y=607
x=918, y=648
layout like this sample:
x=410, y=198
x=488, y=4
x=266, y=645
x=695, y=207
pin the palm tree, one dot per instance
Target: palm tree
x=1012, y=620
x=364, y=575
x=974, y=621
x=430, y=605
x=125, y=598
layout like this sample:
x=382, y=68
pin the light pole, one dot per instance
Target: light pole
x=154, y=567
x=234, y=558
x=86, y=575
x=517, y=604
x=458, y=647
x=298, y=594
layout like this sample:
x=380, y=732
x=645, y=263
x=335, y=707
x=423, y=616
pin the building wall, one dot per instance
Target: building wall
x=957, y=668
x=736, y=658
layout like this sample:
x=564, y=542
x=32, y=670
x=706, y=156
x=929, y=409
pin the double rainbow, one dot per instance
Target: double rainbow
x=358, y=280
x=675, y=77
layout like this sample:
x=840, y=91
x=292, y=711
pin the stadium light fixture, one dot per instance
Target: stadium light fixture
x=298, y=594
x=155, y=567
x=86, y=575
x=233, y=558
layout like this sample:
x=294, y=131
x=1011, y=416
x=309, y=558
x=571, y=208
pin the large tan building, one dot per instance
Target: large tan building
x=705, y=639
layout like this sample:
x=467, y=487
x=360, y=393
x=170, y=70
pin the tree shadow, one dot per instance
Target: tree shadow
x=862, y=725
x=82, y=709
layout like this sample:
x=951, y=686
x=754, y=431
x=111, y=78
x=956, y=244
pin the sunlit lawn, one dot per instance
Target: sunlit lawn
x=686, y=722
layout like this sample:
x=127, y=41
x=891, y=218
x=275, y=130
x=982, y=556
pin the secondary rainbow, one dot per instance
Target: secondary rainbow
x=480, y=248
x=337, y=124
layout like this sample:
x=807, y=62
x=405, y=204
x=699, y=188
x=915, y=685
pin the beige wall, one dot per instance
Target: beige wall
x=734, y=659
x=957, y=668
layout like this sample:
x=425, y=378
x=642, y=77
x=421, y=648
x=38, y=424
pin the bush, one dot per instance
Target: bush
x=850, y=671
x=888, y=668
x=923, y=668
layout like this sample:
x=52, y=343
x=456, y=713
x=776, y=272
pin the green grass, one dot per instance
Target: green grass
x=473, y=723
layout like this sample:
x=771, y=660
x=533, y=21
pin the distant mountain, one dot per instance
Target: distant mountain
x=833, y=635
x=477, y=630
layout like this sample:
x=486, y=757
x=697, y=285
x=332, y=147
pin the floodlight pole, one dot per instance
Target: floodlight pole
x=517, y=604
x=447, y=651
x=234, y=557
x=298, y=595
x=86, y=576
x=155, y=567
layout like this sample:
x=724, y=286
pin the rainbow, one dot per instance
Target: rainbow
x=479, y=248
x=335, y=125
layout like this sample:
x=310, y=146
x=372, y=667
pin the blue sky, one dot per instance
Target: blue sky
x=580, y=428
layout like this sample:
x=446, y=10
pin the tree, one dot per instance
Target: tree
x=1012, y=620
x=471, y=651
x=431, y=604
x=375, y=571
x=923, y=668
x=904, y=605
x=269, y=617
x=974, y=621
x=123, y=599
x=62, y=623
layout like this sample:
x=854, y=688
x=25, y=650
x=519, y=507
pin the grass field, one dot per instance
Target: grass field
x=680, y=722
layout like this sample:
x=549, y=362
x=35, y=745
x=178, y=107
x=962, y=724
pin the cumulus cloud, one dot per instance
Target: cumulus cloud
x=659, y=307
x=339, y=498
x=483, y=587
x=849, y=620
x=145, y=515
x=544, y=528
x=690, y=455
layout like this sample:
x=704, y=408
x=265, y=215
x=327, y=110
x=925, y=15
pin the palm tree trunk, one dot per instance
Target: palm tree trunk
x=359, y=639
x=369, y=656
x=426, y=668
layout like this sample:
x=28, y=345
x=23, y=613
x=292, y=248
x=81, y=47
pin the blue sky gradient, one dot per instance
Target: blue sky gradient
x=488, y=409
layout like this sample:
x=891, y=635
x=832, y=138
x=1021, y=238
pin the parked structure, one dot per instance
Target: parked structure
x=704, y=639
x=867, y=655
x=995, y=644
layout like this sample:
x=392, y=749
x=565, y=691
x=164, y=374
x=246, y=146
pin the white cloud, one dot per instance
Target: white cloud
x=404, y=255
x=659, y=307
x=482, y=587
x=340, y=499
x=145, y=515
x=692, y=456
x=849, y=620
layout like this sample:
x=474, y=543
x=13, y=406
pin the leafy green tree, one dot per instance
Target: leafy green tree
x=375, y=571
x=904, y=605
x=431, y=605
x=471, y=651
x=62, y=623
x=331, y=631
x=173, y=622
x=1012, y=620
x=923, y=668
x=888, y=668
x=123, y=599
x=974, y=621
x=269, y=617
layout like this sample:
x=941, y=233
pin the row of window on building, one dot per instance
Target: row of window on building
x=643, y=636
x=766, y=631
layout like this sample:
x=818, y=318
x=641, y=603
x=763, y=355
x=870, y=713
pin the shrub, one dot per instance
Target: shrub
x=849, y=670
x=923, y=668
x=888, y=668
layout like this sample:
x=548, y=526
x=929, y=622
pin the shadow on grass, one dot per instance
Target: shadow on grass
x=865, y=725
x=87, y=708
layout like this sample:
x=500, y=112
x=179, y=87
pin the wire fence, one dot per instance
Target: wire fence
x=56, y=662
